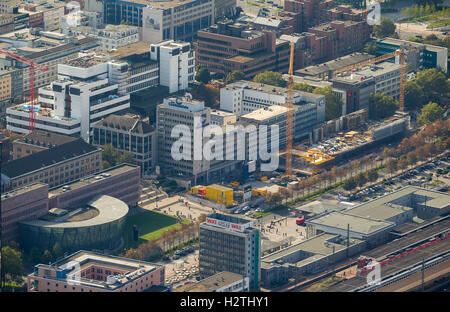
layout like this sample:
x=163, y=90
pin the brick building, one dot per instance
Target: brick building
x=230, y=46
x=54, y=166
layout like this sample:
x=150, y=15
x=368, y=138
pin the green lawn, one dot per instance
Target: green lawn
x=150, y=225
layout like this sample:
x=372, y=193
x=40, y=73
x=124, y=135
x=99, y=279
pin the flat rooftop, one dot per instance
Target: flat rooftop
x=212, y=283
x=385, y=207
x=340, y=220
x=100, y=176
x=23, y=190
x=86, y=61
x=262, y=87
x=221, y=113
x=264, y=113
x=133, y=269
x=109, y=209
x=162, y=4
x=375, y=71
x=319, y=246
x=335, y=64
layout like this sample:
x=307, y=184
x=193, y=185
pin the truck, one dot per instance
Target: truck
x=300, y=220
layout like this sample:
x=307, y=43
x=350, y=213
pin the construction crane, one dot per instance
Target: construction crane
x=401, y=53
x=290, y=113
x=33, y=65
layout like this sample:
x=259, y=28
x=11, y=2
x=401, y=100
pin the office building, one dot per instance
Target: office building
x=88, y=89
x=326, y=70
x=176, y=64
x=128, y=134
x=310, y=256
x=229, y=46
x=99, y=273
x=13, y=22
x=222, y=118
x=110, y=37
x=358, y=91
x=121, y=182
x=232, y=244
x=25, y=203
x=162, y=20
x=224, y=9
x=182, y=111
x=49, y=56
x=243, y=97
x=50, y=13
x=424, y=56
x=143, y=72
x=386, y=75
x=220, y=282
x=54, y=166
x=38, y=141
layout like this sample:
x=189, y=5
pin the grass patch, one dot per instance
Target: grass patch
x=440, y=23
x=262, y=213
x=249, y=3
x=436, y=183
x=150, y=225
x=324, y=284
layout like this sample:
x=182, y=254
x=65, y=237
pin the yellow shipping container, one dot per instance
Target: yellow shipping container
x=194, y=189
x=221, y=194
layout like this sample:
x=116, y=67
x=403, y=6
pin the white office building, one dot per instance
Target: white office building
x=87, y=89
x=110, y=38
x=176, y=64
x=243, y=97
x=176, y=111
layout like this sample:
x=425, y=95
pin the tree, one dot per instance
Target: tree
x=430, y=113
x=333, y=104
x=126, y=157
x=56, y=251
x=109, y=154
x=372, y=175
x=350, y=184
x=370, y=48
x=413, y=95
x=433, y=83
x=12, y=262
x=234, y=76
x=202, y=74
x=381, y=106
x=302, y=87
x=385, y=29
x=270, y=78
x=361, y=179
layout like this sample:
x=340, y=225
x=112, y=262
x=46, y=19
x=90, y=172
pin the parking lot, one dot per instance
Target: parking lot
x=182, y=268
x=433, y=175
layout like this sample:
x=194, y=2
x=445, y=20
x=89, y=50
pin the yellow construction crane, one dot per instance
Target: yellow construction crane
x=290, y=113
x=401, y=53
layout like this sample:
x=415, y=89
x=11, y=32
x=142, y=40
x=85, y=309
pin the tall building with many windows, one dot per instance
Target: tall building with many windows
x=128, y=134
x=88, y=89
x=176, y=64
x=162, y=20
x=228, y=243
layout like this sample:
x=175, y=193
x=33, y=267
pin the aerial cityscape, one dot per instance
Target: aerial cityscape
x=224, y=146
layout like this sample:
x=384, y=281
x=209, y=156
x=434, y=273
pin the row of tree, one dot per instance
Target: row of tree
x=432, y=140
x=168, y=239
x=429, y=85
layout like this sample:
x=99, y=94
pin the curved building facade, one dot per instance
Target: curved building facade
x=100, y=227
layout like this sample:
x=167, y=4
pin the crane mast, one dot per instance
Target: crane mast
x=290, y=113
x=33, y=65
